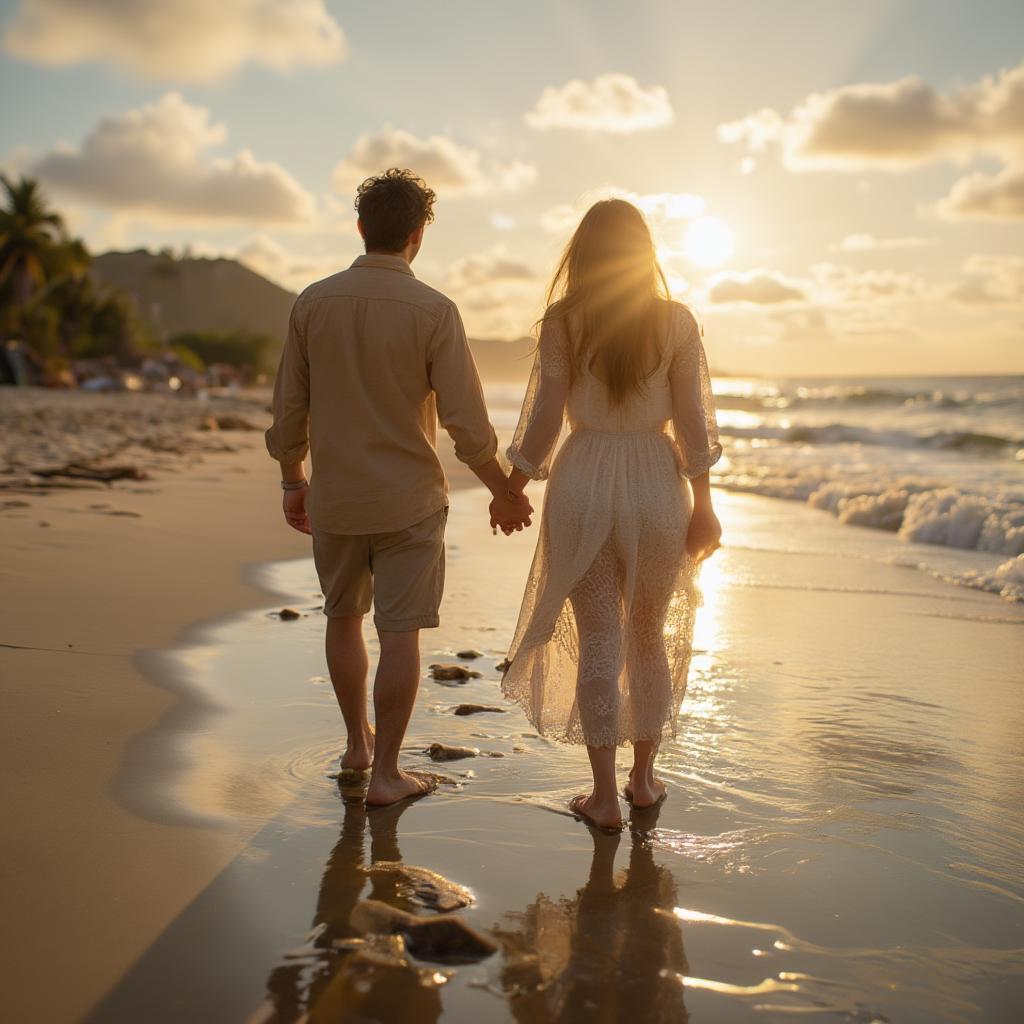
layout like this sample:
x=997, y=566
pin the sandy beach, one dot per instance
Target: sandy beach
x=118, y=568
x=841, y=837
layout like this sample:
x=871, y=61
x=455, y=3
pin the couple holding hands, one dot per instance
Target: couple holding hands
x=374, y=359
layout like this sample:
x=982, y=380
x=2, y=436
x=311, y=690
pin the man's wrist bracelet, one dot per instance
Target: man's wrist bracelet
x=293, y=485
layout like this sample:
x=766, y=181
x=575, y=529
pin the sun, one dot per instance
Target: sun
x=708, y=241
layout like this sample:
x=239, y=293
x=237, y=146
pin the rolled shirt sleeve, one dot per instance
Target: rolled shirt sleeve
x=461, y=408
x=287, y=438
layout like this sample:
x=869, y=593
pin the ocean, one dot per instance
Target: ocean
x=936, y=461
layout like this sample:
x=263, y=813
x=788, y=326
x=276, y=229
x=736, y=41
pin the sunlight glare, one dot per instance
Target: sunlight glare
x=708, y=241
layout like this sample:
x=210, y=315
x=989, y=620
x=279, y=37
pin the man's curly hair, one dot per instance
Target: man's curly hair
x=391, y=207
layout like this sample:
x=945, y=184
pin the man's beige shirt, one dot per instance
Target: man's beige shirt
x=372, y=360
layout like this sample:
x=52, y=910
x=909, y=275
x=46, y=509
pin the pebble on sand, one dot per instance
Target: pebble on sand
x=476, y=709
x=447, y=672
x=446, y=939
x=469, y=654
x=226, y=422
x=503, y=665
x=288, y=614
x=443, y=752
x=422, y=886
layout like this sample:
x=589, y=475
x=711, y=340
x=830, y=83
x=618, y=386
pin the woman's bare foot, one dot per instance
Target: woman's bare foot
x=385, y=790
x=603, y=813
x=644, y=792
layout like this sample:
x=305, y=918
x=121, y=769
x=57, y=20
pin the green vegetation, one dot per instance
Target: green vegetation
x=240, y=348
x=48, y=299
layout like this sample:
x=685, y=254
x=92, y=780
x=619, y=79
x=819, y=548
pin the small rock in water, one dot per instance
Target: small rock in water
x=503, y=665
x=445, y=672
x=422, y=886
x=446, y=939
x=476, y=709
x=350, y=776
x=469, y=655
x=442, y=752
x=288, y=614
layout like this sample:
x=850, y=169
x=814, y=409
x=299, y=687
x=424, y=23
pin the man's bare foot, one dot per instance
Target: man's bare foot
x=644, y=793
x=358, y=754
x=401, y=786
x=603, y=813
x=356, y=759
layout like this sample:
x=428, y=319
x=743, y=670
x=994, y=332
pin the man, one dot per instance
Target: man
x=372, y=360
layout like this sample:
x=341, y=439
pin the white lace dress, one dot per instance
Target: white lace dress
x=601, y=651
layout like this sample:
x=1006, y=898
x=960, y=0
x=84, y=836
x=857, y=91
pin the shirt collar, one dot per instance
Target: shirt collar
x=383, y=261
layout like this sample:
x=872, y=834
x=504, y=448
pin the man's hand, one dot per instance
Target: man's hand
x=295, y=510
x=704, y=534
x=510, y=513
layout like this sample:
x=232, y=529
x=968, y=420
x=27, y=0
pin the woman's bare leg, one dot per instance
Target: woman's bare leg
x=602, y=805
x=596, y=602
x=643, y=789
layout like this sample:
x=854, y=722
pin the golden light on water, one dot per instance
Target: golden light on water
x=708, y=241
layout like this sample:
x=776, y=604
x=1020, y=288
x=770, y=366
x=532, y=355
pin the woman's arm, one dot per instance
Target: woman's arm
x=543, y=413
x=696, y=432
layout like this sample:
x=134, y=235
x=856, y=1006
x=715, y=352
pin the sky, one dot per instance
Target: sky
x=835, y=188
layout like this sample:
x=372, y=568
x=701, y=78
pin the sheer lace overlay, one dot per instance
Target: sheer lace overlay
x=602, y=647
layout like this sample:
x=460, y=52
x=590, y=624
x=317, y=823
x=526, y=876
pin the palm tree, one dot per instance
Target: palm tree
x=33, y=242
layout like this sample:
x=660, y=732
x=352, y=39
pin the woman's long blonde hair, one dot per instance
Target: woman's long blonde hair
x=609, y=289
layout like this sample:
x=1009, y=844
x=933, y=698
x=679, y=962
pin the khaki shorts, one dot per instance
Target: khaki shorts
x=400, y=573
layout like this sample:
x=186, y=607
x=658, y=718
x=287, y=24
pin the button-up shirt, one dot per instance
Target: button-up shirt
x=373, y=358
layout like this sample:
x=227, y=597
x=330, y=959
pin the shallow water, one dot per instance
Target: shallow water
x=843, y=835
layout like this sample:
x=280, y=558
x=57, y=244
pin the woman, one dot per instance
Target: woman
x=602, y=647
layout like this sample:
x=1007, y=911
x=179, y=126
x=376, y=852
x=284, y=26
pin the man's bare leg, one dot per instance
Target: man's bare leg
x=394, y=692
x=348, y=665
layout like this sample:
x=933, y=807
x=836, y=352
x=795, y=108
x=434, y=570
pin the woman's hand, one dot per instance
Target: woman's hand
x=511, y=512
x=295, y=510
x=704, y=534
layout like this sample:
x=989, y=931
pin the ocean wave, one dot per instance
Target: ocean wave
x=845, y=433
x=918, y=510
x=792, y=395
x=1007, y=580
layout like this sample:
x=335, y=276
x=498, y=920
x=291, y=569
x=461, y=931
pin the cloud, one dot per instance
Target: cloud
x=502, y=221
x=284, y=267
x=443, y=163
x=840, y=284
x=497, y=293
x=979, y=196
x=659, y=207
x=892, y=125
x=871, y=243
x=757, y=287
x=488, y=268
x=177, y=40
x=152, y=161
x=612, y=103
x=990, y=280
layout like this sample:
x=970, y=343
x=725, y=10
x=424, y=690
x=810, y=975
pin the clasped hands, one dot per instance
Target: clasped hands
x=510, y=511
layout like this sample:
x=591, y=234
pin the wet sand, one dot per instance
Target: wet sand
x=842, y=836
